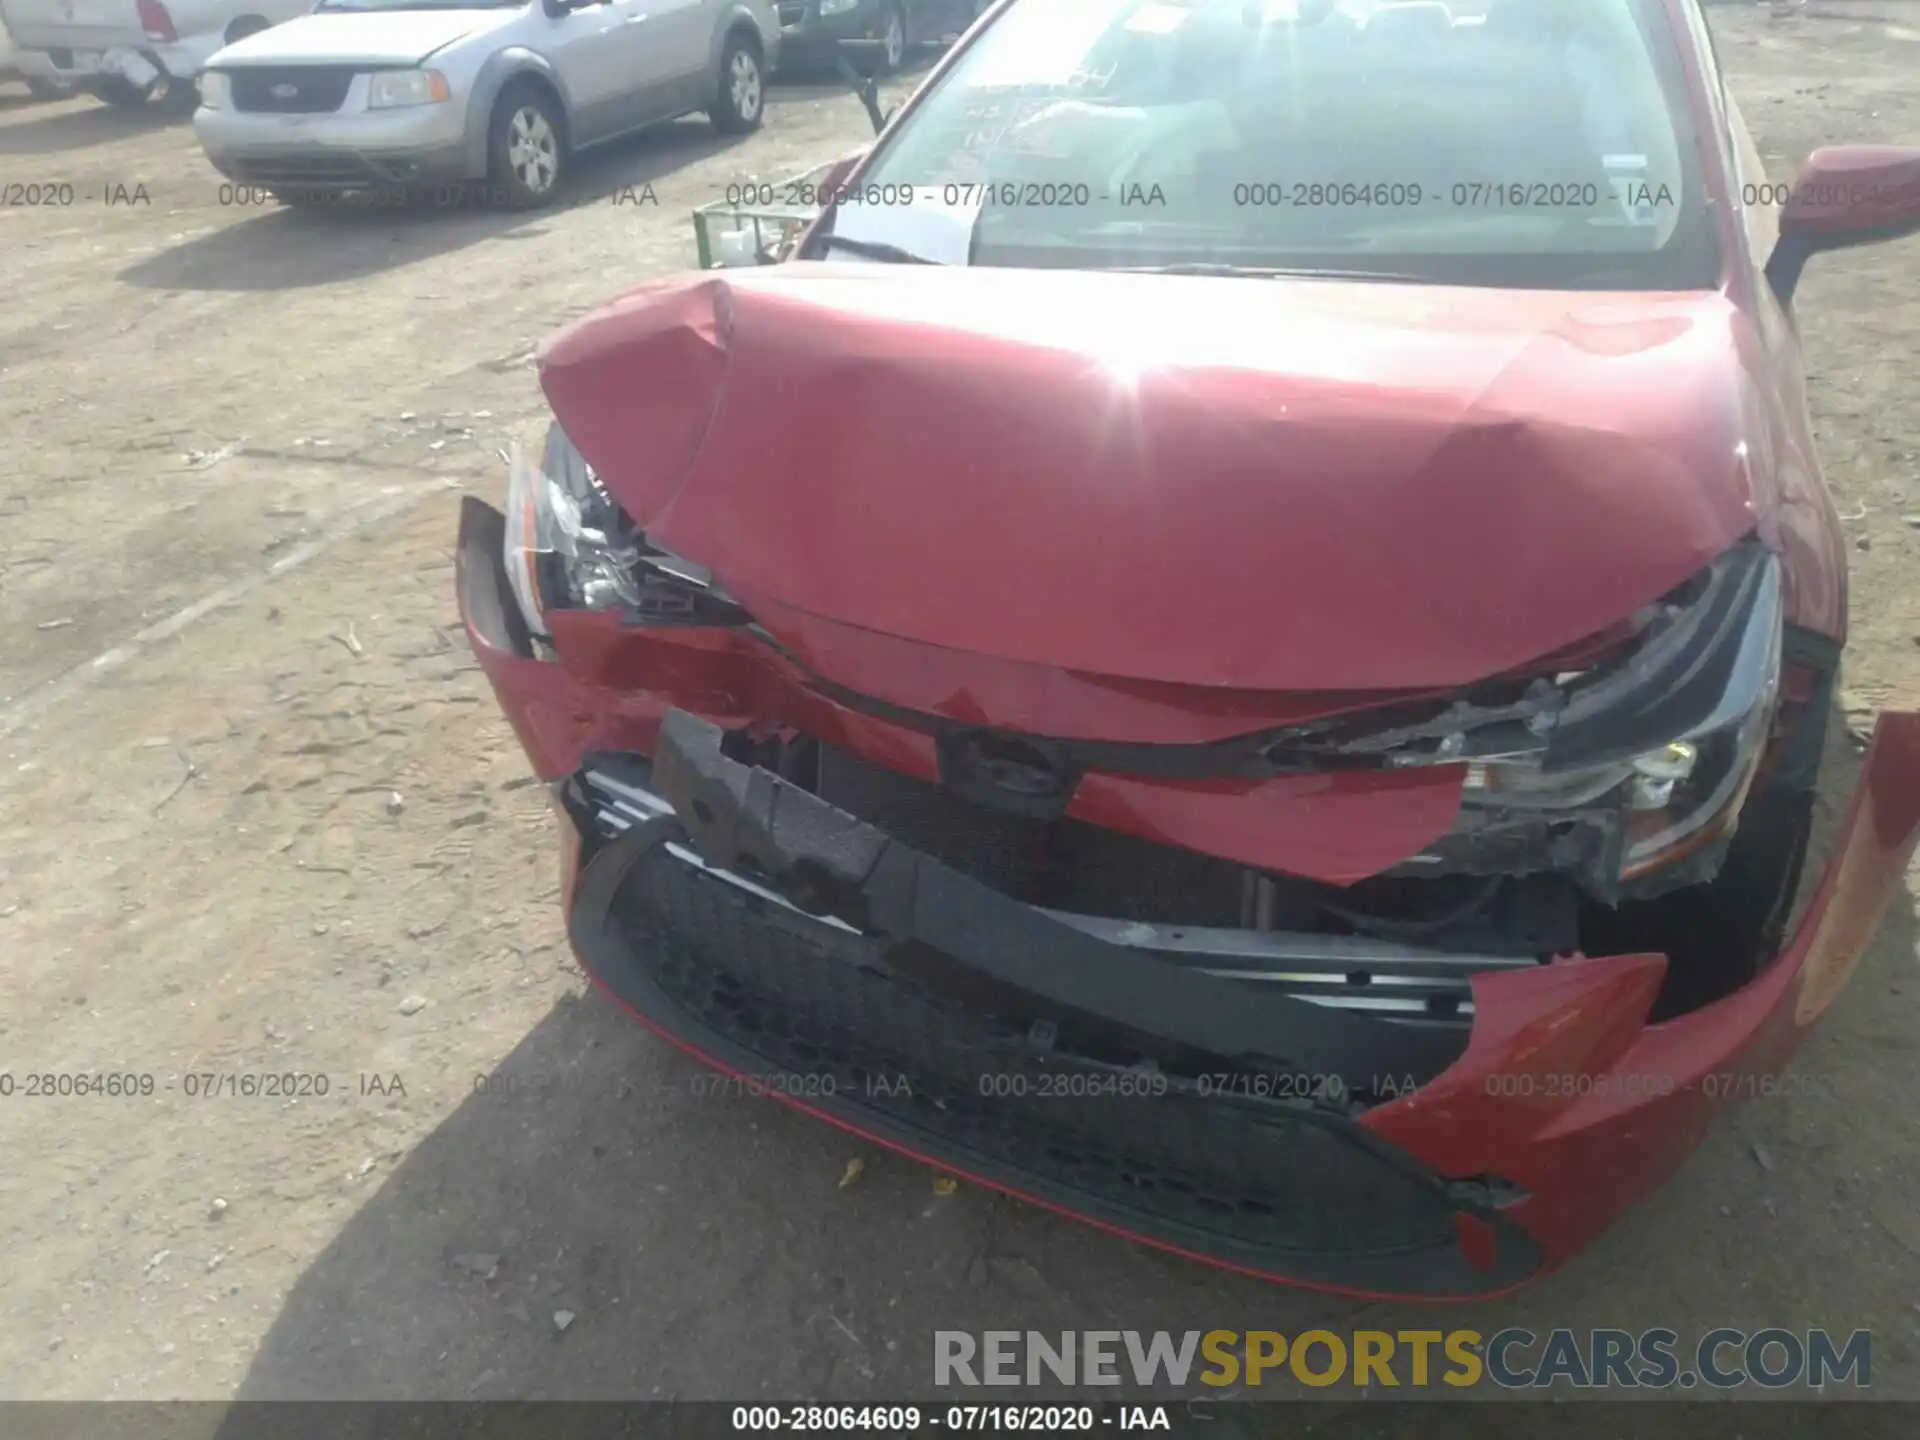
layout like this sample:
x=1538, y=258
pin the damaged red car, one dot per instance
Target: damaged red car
x=1239, y=644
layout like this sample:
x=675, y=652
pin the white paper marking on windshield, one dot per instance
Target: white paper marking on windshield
x=929, y=227
x=1157, y=19
x=1628, y=175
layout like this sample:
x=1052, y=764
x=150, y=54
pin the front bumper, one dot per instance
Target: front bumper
x=352, y=148
x=984, y=1036
x=1016, y=1085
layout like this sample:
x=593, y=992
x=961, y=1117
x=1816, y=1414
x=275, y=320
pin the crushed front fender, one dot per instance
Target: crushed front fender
x=1569, y=1093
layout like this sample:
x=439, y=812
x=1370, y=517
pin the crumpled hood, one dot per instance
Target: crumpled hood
x=372, y=37
x=1260, y=484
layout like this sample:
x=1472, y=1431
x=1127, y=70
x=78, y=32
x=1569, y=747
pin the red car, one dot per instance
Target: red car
x=1238, y=646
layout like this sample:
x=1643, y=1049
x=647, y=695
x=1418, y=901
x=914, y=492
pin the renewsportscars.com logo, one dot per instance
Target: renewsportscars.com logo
x=1514, y=1359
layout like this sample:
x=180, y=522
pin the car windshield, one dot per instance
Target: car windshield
x=1509, y=142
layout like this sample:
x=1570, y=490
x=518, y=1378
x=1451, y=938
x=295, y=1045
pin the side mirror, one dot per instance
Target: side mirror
x=557, y=8
x=1845, y=195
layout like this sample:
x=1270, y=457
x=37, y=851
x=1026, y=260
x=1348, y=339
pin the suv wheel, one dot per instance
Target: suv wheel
x=742, y=91
x=526, y=148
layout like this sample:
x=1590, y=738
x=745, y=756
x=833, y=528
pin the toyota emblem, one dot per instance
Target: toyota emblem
x=284, y=92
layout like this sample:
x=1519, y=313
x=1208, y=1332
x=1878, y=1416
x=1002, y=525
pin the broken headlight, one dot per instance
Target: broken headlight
x=1654, y=750
x=1707, y=685
x=570, y=546
x=1668, y=802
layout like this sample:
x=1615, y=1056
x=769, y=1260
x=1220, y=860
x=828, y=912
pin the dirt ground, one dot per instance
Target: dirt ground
x=235, y=442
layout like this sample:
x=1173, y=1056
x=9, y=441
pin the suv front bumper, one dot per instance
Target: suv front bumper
x=351, y=148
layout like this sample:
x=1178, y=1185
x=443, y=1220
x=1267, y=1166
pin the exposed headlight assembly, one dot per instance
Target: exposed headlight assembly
x=570, y=546
x=1673, y=736
x=1635, y=763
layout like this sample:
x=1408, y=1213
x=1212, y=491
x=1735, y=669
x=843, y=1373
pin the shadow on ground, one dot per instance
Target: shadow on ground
x=700, y=1238
x=81, y=121
x=282, y=249
x=598, y=1219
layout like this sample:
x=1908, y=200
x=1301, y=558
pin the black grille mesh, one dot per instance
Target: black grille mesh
x=291, y=172
x=304, y=89
x=822, y=1006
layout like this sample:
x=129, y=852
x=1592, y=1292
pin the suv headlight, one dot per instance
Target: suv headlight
x=391, y=89
x=570, y=546
x=214, y=89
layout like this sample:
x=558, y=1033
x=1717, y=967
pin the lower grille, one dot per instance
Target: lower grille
x=292, y=172
x=292, y=89
x=709, y=960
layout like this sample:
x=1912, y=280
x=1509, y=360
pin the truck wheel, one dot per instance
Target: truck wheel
x=121, y=93
x=177, y=96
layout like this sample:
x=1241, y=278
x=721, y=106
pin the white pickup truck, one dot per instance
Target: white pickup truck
x=131, y=52
x=28, y=67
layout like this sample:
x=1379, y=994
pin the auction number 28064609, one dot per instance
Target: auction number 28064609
x=959, y=1418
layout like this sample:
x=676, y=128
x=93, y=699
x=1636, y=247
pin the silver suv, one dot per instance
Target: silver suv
x=408, y=94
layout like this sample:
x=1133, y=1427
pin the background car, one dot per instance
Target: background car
x=131, y=53
x=373, y=94
x=811, y=29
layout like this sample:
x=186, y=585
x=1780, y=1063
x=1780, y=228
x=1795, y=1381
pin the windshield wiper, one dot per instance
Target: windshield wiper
x=1271, y=272
x=876, y=250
